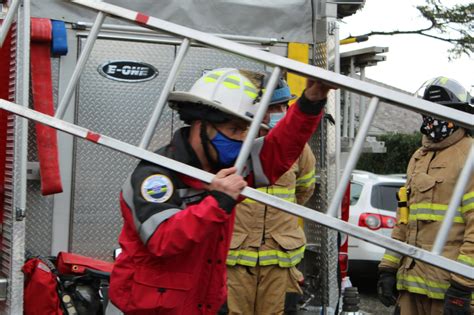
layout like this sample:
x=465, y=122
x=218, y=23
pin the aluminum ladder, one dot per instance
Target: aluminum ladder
x=278, y=64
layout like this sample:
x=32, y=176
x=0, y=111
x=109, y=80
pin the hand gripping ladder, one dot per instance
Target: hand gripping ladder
x=278, y=64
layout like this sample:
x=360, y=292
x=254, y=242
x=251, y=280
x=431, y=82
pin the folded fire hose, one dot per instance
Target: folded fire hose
x=42, y=88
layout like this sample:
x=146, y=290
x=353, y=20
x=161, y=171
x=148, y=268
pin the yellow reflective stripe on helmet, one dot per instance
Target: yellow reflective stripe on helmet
x=213, y=76
x=265, y=258
x=392, y=257
x=250, y=85
x=443, y=80
x=306, y=180
x=250, y=89
x=250, y=92
x=467, y=202
x=432, y=212
x=432, y=289
x=232, y=83
x=466, y=260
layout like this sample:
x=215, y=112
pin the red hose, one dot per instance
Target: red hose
x=42, y=87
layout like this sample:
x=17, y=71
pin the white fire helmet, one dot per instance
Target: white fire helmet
x=225, y=89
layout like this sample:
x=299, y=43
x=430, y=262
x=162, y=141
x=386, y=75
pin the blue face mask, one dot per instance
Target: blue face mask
x=227, y=149
x=274, y=119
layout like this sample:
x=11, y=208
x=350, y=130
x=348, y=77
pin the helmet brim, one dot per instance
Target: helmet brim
x=284, y=100
x=177, y=97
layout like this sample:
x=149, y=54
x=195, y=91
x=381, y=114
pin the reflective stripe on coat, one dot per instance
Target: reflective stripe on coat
x=431, y=176
x=256, y=223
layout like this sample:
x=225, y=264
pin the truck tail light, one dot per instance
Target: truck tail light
x=344, y=263
x=376, y=221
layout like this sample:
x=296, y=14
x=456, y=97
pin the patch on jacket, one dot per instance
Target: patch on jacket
x=157, y=188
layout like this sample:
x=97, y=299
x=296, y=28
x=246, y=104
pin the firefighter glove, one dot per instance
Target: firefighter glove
x=387, y=288
x=457, y=300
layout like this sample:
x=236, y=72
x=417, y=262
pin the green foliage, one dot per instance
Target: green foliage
x=400, y=148
x=454, y=24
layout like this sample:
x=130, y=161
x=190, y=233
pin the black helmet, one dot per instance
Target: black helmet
x=447, y=92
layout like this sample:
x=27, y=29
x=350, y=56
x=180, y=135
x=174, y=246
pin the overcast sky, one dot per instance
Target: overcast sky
x=412, y=59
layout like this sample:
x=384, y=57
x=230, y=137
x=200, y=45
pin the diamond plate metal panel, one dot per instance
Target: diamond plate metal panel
x=39, y=220
x=322, y=265
x=332, y=248
x=40, y=208
x=121, y=110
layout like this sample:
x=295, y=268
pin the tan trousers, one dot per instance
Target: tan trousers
x=418, y=304
x=259, y=290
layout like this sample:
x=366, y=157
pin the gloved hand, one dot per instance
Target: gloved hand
x=457, y=300
x=387, y=287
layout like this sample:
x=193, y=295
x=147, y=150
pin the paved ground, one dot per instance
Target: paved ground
x=368, y=296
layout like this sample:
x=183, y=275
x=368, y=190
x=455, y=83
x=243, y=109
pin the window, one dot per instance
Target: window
x=384, y=196
x=356, y=190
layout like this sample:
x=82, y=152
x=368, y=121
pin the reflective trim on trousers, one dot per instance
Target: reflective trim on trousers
x=432, y=289
x=265, y=258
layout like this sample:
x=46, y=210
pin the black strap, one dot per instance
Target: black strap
x=205, y=142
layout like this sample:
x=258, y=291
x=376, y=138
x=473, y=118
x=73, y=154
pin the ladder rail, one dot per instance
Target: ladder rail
x=353, y=158
x=354, y=85
x=448, y=220
x=81, y=64
x=256, y=121
x=7, y=22
x=162, y=100
x=289, y=207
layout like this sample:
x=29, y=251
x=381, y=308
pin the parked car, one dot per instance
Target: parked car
x=373, y=206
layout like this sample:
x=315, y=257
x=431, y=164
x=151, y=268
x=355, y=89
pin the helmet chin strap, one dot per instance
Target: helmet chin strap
x=205, y=144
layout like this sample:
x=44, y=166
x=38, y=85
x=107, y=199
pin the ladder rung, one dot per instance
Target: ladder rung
x=353, y=157
x=7, y=22
x=81, y=63
x=162, y=100
x=257, y=120
x=292, y=208
x=354, y=85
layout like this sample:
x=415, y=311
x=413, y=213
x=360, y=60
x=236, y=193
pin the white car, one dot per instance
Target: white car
x=373, y=206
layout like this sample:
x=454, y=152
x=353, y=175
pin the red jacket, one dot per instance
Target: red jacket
x=176, y=235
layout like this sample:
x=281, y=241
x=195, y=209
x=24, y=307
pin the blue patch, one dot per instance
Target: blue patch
x=157, y=188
